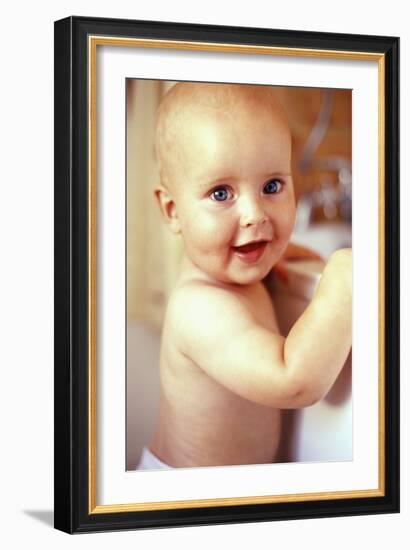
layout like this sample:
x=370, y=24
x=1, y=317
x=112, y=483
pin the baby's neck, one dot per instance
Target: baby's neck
x=189, y=271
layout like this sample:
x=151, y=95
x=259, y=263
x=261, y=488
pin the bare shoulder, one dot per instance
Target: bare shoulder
x=206, y=307
x=219, y=331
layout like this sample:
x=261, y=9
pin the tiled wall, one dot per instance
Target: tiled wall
x=302, y=106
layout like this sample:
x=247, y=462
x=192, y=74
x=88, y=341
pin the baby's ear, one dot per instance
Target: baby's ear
x=168, y=209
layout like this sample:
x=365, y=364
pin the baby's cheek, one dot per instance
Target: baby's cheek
x=288, y=231
x=217, y=231
x=214, y=242
x=286, y=222
x=201, y=239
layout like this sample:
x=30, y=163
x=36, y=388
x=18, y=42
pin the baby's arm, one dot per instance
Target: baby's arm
x=219, y=333
x=318, y=344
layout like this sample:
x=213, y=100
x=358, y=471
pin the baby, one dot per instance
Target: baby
x=224, y=154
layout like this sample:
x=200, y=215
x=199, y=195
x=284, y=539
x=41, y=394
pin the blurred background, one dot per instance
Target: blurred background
x=321, y=126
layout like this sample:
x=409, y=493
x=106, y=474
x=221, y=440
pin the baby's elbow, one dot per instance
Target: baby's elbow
x=309, y=398
x=302, y=395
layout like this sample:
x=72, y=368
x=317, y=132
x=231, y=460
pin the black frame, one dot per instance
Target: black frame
x=71, y=275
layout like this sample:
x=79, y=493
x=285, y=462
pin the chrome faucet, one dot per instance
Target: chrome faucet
x=333, y=199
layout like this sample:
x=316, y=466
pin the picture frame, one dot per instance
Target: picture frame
x=79, y=407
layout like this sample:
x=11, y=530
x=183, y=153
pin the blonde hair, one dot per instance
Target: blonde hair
x=190, y=97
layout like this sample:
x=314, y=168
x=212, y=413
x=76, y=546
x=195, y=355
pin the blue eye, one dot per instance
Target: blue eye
x=273, y=186
x=220, y=194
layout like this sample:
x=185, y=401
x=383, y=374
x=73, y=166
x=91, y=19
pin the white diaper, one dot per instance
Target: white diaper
x=149, y=461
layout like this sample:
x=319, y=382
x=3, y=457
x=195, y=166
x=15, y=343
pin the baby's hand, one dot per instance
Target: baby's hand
x=339, y=267
x=293, y=252
x=343, y=258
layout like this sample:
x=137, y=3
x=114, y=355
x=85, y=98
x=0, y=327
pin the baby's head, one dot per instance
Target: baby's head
x=224, y=155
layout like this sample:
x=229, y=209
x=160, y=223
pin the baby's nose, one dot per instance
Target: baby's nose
x=252, y=213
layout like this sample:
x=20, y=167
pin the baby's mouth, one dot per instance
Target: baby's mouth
x=250, y=252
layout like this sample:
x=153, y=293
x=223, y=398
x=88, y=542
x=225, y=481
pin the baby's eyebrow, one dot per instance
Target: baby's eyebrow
x=207, y=181
x=276, y=174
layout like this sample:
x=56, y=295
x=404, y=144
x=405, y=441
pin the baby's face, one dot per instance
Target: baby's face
x=234, y=193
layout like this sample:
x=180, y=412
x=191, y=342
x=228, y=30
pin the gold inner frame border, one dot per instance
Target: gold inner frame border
x=93, y=43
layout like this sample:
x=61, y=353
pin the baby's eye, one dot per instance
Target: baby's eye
x=273, y=186
x=221, y=194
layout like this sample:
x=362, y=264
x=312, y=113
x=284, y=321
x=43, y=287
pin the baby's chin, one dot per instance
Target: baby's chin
x=244, y=277
x=250, y=278
x=236, y=272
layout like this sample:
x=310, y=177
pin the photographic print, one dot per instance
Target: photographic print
x=315, y=165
